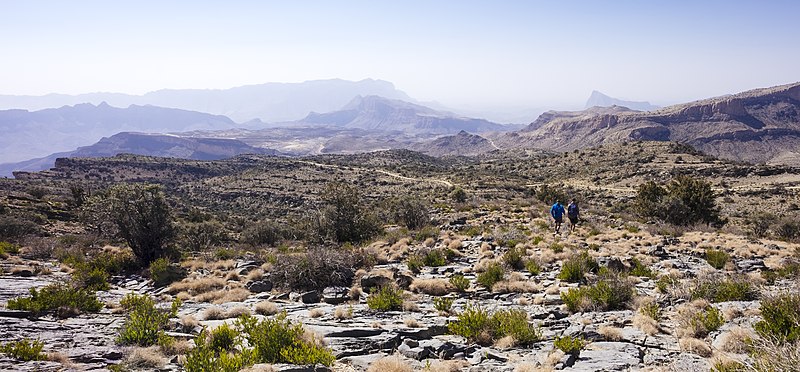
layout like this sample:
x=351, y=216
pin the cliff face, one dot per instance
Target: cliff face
x=761, y=125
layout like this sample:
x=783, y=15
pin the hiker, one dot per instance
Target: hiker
x=557, y=212
x=572, y=214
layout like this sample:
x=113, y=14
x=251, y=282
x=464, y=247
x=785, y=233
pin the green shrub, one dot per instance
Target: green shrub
x=478, y=325
x=709, y=320
x=442, y=304
x=685, y=201
x=203, y=357
x=386, y=298
x=434, y=258
x=426, y=232
x=415, y=263
x=533, y=267
x=24, y=350
x=640, y=269
x=278, y=340
x=471, y=323
x=458, y=195
x=513, y=258
x=537, y=239
x=781, y=318
x=569, y=345
x=197, y=236
x=652, y=310
x=163, y=273
x=60, y=298
x=493, y=274
x=411, y=211
x=717, y=258
x=666, y=282
x=145, y=323
x=788, y=230
x=720, y=289
x=729, y=366
x=557, y=247
x=89, y=277
x=264, y=233
x=223, y=338
x=574, y=268
x=611, y=292
x=344, y=217
x=8, y=248
x=459, y=282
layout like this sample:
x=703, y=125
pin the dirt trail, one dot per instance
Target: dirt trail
x=390, y=174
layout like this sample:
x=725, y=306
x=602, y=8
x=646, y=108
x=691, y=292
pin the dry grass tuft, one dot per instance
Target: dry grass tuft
x=506, y=342
x=266, y=308
x=736, y=340
x=146, y=358
x=410, y=306
x=610, y=333
x=355, y=292
x=695, y=346
x=222, y=265
x=447, y=366
x=411, y=322
x=434, y=287
x=645, y=324
x=255, y=274
x=214, y=313
x=528, y=367
x=178, y=347
x=259, y=368
x=392, y=363
x=188, y=322
x=61, y=358
x=343, y=312
x=224, y=296
x=238, y=311
x=197, y=286
x=316, y=312
x=507, y=286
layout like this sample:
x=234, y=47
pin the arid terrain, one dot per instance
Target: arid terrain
x=399, y=261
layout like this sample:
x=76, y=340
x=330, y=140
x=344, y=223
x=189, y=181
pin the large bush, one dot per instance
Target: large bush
x=781, y=318
x=411, y=212
x=63, y=299
x=684, y=201
x=137, y=213
x=344, y=216
x=318, y=268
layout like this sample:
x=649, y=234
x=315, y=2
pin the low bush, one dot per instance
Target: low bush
x=197, y=236
x=145, y=323
x=204, y=357
x=411, y=212
x=513, y=258
x=442, y=304
x=163, y=273
x=575, y=268
x=62, y=299
x=569, y=345
x=223, y=338
x=781, y=318
x=459, y=282
x=652, y=310
x=434, y=258
x=264, y=233
x=415, y=263
x=717, y=258
x=319, y=268
x=479, y=326
x=24, y=350
x=640, y=269
x=722, y=289
x=385, y=298
x=613, y=291
x=533, y=267
x=491, y=275
x=278, y=340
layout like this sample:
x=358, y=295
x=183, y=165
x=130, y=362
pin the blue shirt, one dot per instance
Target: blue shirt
x=557, y=211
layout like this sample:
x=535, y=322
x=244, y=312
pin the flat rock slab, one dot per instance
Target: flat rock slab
x=608, y=356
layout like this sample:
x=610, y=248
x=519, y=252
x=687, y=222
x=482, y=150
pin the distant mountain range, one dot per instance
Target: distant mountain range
x=145, y=144
x=270, y=102
x=602, y=100
x=28, y=134
x=383, y=114
x=761, y=125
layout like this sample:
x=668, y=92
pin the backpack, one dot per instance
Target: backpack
x=572, y=210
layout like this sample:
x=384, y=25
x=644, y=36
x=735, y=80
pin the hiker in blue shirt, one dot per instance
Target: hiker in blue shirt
x=557, y=212
x=572, y=213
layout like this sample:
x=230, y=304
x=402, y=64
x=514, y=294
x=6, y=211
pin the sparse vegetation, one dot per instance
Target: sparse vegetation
x=459, y=282
x=62, y=299
x=479, y=326
x=24, y=350
x=612, y=291
x=145, y=324
x=491, y=275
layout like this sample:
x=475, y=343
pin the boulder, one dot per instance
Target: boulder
x=374, y=280
x=335, y=295
x=259, y=286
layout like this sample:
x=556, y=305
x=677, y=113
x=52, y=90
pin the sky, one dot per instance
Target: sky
x=460, y=53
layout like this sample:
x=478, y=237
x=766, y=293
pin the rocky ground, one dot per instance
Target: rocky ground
x=418, y=337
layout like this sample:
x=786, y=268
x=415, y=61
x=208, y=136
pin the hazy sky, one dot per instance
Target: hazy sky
x=481, y=53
